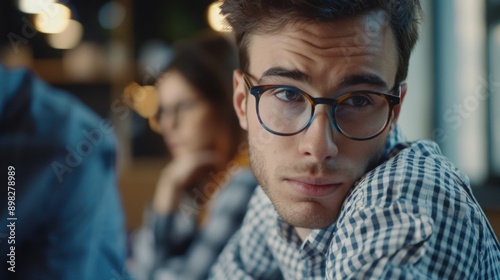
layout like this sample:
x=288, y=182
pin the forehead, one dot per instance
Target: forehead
x=363, y=44
x=173, y=87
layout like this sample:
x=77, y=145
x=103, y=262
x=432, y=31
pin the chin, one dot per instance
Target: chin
x=307, y=214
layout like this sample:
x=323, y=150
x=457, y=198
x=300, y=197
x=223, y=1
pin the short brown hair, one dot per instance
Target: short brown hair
x=260, y=16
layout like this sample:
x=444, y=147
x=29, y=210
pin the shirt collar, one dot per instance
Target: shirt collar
x=288, y=233
x=395, y=137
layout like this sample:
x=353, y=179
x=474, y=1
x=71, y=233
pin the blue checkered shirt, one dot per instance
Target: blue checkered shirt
x=174, y=247
x=412, y=217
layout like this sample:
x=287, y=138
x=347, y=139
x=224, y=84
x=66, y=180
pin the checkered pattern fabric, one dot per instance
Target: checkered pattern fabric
x=173, y=247
x=412, y=217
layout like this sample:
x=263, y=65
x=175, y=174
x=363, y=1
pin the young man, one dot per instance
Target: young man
x=342, y=197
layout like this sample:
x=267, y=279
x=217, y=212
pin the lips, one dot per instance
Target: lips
x=314, y=187
x=173, y=143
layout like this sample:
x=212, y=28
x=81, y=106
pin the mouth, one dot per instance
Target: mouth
x=314, y=187
x=173, y=144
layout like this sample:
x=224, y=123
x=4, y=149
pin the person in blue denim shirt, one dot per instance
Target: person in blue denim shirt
x=66, y=217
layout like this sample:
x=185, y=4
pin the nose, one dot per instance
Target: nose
x=318, y=140
x=170, y=120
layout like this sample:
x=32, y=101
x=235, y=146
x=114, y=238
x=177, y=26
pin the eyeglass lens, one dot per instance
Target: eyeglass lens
x=357, y=115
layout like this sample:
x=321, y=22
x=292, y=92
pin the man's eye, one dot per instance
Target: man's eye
x=289, y=95
x=358, y=100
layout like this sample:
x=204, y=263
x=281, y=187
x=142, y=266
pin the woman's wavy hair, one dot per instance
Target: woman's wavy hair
x=207, y=61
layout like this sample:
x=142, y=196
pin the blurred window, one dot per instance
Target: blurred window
x=493, y=59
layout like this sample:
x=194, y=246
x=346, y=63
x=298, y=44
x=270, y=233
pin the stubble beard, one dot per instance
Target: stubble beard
x=285, y=209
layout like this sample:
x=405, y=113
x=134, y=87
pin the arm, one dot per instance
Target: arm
x=381, y=243
x=228, y=210
x=89, y=239
x=178, y=179
x=160, y=238
x=170, y=223
x=409, y=218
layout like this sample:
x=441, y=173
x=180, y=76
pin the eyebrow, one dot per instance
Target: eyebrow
x=351, y=80
x=358, y=79
x=293, y=74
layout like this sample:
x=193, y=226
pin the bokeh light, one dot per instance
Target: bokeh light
x=68, y=38
x=85, y=62
x=216, y=21
x=143, y=99
x=35, y=6
x=153, y=57
x=111, y=15
x=54, y=20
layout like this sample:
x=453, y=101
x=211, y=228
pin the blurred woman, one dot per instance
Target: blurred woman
x=203, y=191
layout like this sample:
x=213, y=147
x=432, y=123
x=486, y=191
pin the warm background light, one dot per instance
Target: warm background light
x=68, y=38
x=54, y=20
x=143, y=99
x=216, y=21
x=85, y=62
x=35, y=6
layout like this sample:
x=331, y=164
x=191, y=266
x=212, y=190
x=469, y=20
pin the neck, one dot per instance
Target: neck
x=302, y=232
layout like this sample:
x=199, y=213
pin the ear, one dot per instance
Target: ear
x=397, y=108
x=240, y=98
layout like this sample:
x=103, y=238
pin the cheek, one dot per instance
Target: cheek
x=203, y=128
x=362, y=154
x=264, y=155
x=269, y=153
x=263, y=141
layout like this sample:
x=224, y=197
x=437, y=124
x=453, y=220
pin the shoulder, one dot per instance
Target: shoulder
x=239, y=187
x=36, y=112
x=42, y=126
x=231, y=202
x=418, y=184
x=417, y=187
x=260, y=215
x=413, y=172
x=241, y=178
x=413, y=210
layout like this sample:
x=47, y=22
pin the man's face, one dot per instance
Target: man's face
x=308, y=175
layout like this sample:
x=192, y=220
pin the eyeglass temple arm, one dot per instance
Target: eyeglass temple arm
x=397, y=96
x=248, y=83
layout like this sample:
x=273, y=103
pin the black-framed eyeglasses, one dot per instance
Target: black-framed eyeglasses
x=178, y=110
x=287, y=110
